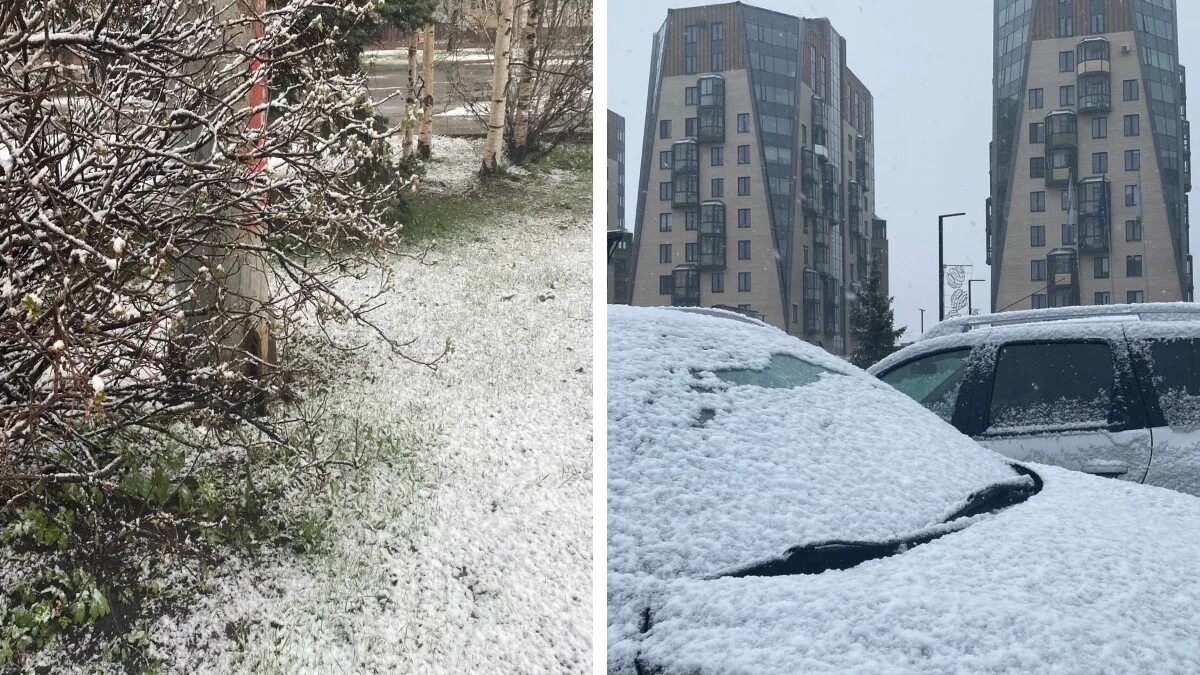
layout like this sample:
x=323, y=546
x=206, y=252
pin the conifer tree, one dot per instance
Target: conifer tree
x=872, y=324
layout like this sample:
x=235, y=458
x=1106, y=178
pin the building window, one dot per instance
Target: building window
x=1038, y=301
x=718, y=188
x=664, y=159
x=1037, y=235
x=716, y=45
x=1035, y=99
x=1100, y=267
x=1066, y=61
x=1037, y=270
x=1133, y=230
x=664, y=222
x=1037, y=201
x=1134, y=297
x=1133, y=265
x=1096, y=16
x=743, y=249
x=795, y=313
x=805, y=255
x=689, y=252
x=743, y=218
x=743, y=154
x=1066, y=18
x=1103, y=298
x=664, y=190
x=743, y=185
x=691, y=49
x=743, y=122
x=718, y=282
x=690, y=97
x=664, y=253
x=1066, y=95
x=717, y=155
x=1037, y=167
x=1133, y=160
x=689, y=220
x=743, y=282
x=1068, y=234
x=1129, y=90
x=1099, y=127
x=666, y=284
x=1131, y=195
x=1133, y=125
x=1037, y=132
x=664, y=128
x=691, y=126
x=1099, y=162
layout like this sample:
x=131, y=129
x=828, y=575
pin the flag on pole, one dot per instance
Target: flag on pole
x=1071, y=215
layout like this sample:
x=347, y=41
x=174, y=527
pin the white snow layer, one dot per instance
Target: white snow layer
x=1090, y=575
x=489, y=569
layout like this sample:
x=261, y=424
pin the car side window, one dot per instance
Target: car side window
x=933, y=381
x=1051, y=385
x=1175, y=372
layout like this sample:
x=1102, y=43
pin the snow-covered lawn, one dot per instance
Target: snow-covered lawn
x=476, y=555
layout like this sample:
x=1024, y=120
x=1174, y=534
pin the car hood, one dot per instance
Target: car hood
x=1089, y=575
x=706, y=479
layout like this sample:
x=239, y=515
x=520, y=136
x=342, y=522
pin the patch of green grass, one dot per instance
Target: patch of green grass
x=560, y=181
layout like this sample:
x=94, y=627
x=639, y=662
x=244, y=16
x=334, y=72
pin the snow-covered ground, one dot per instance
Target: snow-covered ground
x=476, y=556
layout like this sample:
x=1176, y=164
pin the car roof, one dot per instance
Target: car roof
x=1155, y=311
x=706, y=477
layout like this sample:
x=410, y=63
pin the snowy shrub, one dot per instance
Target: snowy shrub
x=164, y=219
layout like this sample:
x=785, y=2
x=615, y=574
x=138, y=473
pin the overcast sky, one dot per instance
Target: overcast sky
x=917, y=57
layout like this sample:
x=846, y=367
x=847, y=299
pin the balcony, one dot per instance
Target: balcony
x=1062, y=265
x=812, y=300
x=820, y=127
x=711, y=111
x=1092, y=56
x=1094, y=226
x=1094, y=93
x=1062, y=138
x=829, y=311
x=686, y=292
x=685, y=173
x=712, y=235
x=808, y=181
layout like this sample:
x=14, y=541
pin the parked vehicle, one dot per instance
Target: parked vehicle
x=773, y=509
x=1113, y=390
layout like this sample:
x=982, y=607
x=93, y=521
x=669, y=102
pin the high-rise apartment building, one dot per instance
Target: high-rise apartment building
x=757, y=169
x=616, y=171
x=1090, y=156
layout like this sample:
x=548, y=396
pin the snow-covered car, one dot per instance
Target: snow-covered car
x=772, y=508
x=1111, y=390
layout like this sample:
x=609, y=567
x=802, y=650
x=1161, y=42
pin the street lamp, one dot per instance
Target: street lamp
x=942, y=266
x=970, y=310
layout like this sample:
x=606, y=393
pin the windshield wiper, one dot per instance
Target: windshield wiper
x=842, y=555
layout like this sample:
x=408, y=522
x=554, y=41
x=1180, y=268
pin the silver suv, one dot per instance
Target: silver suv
x=1111, y=390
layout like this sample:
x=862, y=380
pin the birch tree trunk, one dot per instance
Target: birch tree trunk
x=410, y=101
x=503, y=54
x=533, y=14
x=425, y=138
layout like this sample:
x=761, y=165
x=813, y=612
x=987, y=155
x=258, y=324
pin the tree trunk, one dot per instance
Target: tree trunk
x=533, y=14
x=425, y=138
x=410, y=101
x=495, y=135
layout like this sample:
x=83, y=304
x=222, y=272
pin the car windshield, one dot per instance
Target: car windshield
x=784, y=371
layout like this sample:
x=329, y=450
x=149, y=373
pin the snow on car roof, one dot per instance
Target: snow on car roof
x=1089, y=575
x=1156, y=311
x=706, y=476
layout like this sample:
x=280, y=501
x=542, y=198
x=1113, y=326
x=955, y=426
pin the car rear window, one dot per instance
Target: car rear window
x=782, y=372
x=1175, y=372
x=1048, y=385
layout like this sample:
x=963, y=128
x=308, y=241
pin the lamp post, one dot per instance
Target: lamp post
x=922, y=320
x=942, y=266
x=970, y=306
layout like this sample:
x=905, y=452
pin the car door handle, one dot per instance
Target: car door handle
x=1108, y=469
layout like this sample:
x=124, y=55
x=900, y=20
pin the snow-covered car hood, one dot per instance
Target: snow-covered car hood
x=706, y=477
x=1089, y=575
